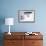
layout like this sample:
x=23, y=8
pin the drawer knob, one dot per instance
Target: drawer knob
x=33, y=42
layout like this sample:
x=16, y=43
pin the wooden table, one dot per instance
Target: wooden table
x=20, y=39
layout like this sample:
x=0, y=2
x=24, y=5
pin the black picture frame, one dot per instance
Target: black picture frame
x=26, y=16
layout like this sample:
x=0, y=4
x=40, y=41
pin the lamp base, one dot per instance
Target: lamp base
x=9, y=33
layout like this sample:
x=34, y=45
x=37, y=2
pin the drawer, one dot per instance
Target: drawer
x=37, y=43
x=9, y=43
x=33, y=37
x=33, y=43
x=13, y=43
x=16, y=37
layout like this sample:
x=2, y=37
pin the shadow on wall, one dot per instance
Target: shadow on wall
x=2, y=21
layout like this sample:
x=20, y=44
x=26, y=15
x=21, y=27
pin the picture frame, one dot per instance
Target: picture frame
x=25, y=16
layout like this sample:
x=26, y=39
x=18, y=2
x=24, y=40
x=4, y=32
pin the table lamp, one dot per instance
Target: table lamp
x=9, y=21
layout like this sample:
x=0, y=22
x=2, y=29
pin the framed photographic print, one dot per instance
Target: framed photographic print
x=26, y=15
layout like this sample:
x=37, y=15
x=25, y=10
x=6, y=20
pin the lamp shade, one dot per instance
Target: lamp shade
x=9, y=21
